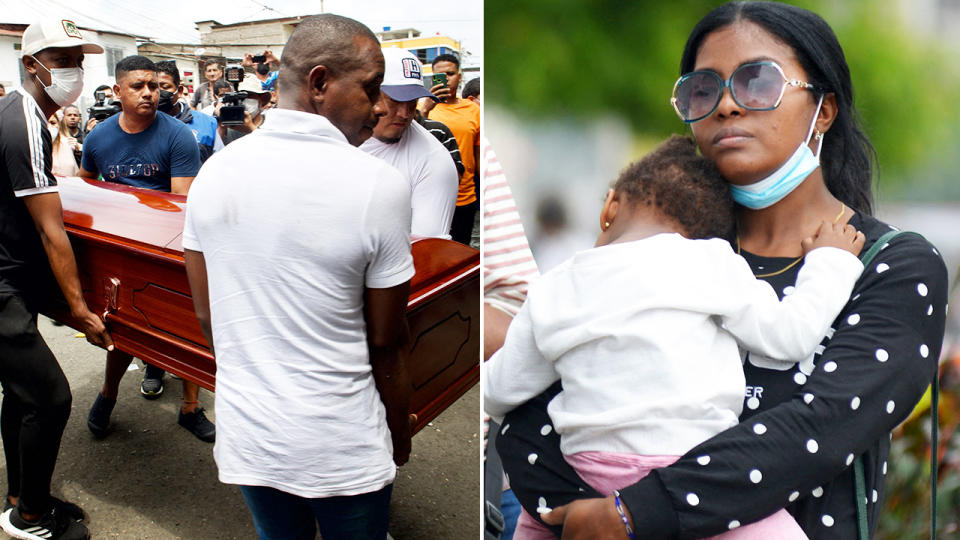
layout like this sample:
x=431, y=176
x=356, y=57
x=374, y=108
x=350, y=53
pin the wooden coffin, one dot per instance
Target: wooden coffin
x=128, y=246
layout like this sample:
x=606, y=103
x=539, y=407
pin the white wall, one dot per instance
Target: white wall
x=9, y=60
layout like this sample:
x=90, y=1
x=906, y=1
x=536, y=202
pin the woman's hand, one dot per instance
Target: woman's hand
x=589, y=519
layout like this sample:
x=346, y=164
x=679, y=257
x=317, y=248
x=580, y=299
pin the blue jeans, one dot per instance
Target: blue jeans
x=278, y=515
x=510, y=508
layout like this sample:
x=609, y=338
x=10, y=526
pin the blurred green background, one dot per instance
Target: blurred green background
x=574, y=91
x=589, y=58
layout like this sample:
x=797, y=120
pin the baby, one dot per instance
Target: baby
x=644, y=330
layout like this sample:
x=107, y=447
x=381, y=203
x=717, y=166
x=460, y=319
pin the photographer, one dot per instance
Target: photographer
x=103, y=108
x=252, y=98
x=220, y=88
x=262, y=64
x=141, y=148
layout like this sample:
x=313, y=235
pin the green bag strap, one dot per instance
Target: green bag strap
x=860, y=492
x=867, y=257
x=934, y=449
x=860, y=489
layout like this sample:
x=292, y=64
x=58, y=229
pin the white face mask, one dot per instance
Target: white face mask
x=66, y=84
x=252, y=106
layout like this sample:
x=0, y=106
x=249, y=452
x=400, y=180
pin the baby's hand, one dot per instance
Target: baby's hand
x=835, y=235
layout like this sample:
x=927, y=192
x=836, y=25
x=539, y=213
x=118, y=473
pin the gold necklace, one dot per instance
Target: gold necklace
x=843, y=209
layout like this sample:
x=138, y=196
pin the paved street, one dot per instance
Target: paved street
x=151, y=479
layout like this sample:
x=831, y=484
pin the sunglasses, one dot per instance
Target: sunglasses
x=755, y=86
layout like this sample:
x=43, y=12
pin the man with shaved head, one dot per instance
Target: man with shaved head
x=300, y=285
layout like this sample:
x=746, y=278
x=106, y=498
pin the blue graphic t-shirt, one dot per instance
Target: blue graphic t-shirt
x=147, y=159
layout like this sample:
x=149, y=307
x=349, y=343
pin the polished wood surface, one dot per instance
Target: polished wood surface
x=130, y=257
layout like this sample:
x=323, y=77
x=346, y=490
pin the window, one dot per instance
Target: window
x=113, y=55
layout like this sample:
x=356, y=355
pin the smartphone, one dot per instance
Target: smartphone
x=439, y=78
x=259, y=59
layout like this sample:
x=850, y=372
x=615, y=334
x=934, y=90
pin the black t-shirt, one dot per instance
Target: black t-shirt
x=25, y=161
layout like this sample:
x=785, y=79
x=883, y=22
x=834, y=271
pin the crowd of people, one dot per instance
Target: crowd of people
x=455, y=123
x=330, y=422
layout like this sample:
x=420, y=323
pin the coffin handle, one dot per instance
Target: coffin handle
x=111, y=288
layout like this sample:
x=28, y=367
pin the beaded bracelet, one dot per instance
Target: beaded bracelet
x=626, y=522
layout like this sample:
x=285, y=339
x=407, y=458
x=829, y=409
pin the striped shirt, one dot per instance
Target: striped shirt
x=445, y=136
x=508, y=265
x=26, y=157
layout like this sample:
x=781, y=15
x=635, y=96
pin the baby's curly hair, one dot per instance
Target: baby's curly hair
x=683, y=186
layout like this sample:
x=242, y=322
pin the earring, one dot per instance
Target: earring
x=817, y=135
x=606, y=225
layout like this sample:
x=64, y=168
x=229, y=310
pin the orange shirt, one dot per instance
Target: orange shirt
x=463, y=119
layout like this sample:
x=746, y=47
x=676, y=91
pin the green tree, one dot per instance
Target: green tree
x=546, y=58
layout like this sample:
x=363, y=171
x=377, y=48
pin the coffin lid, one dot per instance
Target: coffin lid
x=106, y=209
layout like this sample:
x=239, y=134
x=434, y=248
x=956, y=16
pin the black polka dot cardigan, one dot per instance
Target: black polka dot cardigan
x=800, y=429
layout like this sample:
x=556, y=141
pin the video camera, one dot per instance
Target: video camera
x=231, y=112
x=101, y=110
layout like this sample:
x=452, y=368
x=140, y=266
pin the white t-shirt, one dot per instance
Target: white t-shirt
x=433, y=177
x=290, y=244
x=644, y=336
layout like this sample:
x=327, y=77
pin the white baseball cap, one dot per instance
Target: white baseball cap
x=403, y=76
x=59, y=33
x=251, y=84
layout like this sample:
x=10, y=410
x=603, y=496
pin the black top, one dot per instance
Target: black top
x=800, y=428
x=446, y=138
x=25, y=161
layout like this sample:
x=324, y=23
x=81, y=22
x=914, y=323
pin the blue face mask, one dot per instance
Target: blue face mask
x=786, y=178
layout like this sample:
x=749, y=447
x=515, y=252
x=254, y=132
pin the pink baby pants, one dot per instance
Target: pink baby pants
x=607, y=471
